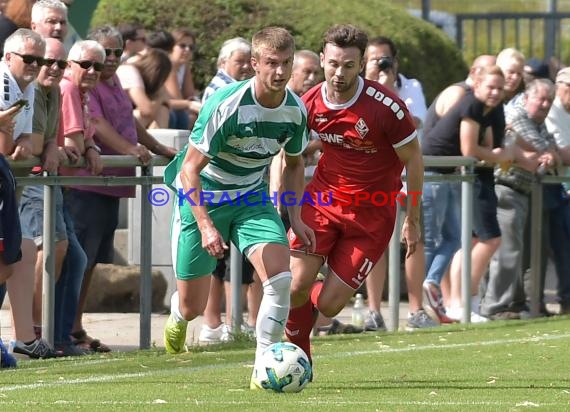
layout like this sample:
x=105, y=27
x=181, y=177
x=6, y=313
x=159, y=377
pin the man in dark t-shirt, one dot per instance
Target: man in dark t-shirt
x=465, y=129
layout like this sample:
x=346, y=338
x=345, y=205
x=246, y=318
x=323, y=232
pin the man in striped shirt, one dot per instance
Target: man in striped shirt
x=223, y=196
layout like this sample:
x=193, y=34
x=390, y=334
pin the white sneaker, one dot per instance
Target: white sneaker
x=214, y=335
x=476, y=318
x=457, y=314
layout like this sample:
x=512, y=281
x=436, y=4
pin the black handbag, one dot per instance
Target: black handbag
x=516, y=178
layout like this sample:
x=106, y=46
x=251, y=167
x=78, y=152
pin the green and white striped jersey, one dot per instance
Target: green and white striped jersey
x=240, y=137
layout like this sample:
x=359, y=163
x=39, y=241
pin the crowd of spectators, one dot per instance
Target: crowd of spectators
x=65, y=98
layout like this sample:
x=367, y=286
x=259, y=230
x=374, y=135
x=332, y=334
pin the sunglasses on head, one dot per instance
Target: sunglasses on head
x=86, y=64
x=117, y=52
x=62, y=64
x=29, y=59
x=186, y=46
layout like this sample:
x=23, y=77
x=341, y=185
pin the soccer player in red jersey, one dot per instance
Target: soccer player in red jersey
x=368, y=136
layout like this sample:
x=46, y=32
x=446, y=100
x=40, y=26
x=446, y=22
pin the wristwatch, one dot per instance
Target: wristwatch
x=94, y=147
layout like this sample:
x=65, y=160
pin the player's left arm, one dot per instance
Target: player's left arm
x=294, y=181
x=411, y=155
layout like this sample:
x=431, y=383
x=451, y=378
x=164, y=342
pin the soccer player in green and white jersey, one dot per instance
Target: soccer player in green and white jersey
x=239, y=129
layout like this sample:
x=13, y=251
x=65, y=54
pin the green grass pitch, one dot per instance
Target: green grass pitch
x=514, y=366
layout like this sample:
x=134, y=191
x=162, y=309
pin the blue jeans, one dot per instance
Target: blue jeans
x=442, y=224
x=68, y=287
x=557, y=207
x=32, y=214
x=178, y=119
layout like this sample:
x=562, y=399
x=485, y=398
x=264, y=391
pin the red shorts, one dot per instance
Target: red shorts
x=351, y=239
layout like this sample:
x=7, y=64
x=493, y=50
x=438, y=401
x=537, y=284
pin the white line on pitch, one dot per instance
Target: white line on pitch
x=114, y=377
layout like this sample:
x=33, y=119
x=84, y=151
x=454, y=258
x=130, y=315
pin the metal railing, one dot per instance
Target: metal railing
x=467, y=179
x=541, y=35
x=146, y=180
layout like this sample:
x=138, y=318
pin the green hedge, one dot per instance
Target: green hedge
x=425, y=52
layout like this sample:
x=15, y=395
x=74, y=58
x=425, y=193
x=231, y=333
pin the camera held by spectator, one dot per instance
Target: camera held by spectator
x=385, y=63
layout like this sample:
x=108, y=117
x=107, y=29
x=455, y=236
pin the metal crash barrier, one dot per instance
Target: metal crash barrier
x=146, y=180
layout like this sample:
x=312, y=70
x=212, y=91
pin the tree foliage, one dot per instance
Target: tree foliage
x=425, y=52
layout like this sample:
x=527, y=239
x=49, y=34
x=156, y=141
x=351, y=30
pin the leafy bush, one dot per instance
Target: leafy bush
x=425, y=52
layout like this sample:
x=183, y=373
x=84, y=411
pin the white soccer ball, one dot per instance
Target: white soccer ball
x=283, y=367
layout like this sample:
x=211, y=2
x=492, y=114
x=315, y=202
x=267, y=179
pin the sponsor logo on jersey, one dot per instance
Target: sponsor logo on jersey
x=349, y=142
x=247, y=146
x=331, y=138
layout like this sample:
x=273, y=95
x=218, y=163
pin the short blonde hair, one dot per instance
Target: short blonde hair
x=274, y=38
x=494, y=70
x=506, y=55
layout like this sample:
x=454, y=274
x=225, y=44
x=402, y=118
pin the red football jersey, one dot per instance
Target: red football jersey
x=359, y=138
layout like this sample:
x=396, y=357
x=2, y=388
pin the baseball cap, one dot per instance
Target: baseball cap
x=563, y=75
x=537, y=68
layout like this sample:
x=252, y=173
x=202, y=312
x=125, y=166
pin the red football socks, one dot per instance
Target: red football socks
x=301, y=320
x=300, y=325
x=315, y=292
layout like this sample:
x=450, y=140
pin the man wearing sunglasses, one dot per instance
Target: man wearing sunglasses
x=23, y=57
x=85, y=63
x=95, y=209
x=82, y=74
x=44, y=133
x=134, y=39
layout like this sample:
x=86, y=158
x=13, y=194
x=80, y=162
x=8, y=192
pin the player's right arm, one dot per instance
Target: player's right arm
x=193, y=163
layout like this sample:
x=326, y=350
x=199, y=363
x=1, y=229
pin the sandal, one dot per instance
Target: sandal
x=86, y=342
